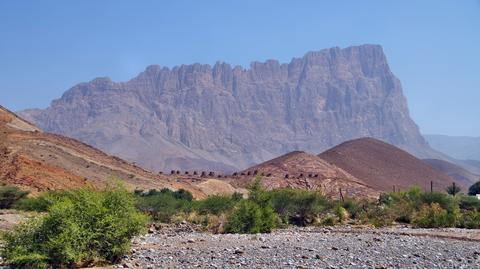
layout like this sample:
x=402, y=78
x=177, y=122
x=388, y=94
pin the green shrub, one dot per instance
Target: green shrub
x=84, y=227
x=9, y=195
x=445, y=201
x=328, y=220
x=42, y=202
x=215, y=204
x=469, y=203
x=469, y=220
x=182, y=194
x=434, y=216
x=254, y=215
x=299, y=207
x=402, y=206
x=353, y=207
x=342, y=214
x=164, y=204
x=250, y=217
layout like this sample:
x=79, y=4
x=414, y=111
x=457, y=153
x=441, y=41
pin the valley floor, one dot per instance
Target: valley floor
x=339, y=247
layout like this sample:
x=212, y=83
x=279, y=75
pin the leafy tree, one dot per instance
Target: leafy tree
x=474, y=189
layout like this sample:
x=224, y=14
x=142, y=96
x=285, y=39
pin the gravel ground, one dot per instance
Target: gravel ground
x=180, y=247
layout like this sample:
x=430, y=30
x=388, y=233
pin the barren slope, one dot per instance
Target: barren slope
x=39, y=161
x=383, y=166
x=305, y=171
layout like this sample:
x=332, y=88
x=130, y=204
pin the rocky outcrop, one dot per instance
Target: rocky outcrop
x=226, y=118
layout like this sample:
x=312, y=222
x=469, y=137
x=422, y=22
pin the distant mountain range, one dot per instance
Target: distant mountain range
x=227, y=118
x=459, y=147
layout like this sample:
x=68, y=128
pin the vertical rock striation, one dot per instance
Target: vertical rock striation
x=224, y=118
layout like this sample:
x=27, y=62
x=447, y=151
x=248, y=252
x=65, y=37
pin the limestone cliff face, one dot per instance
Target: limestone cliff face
x=224, y=118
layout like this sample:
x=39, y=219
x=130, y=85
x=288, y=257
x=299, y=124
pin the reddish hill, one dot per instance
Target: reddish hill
x=383, y=166
x=305, y=171
x=39, y=161
x=454, y=171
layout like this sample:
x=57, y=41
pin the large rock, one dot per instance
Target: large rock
x=224, y=118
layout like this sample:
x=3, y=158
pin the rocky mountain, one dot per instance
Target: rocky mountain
x=302, y=170
x=383, y=166
x=226, y=118
x=39, y=161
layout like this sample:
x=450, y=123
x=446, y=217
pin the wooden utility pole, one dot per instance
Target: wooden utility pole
x=431, y=186
x=341, y=195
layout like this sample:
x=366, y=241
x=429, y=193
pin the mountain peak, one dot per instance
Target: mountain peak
x=198, y=116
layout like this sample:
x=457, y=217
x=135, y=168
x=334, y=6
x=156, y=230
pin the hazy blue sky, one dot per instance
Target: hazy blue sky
x=432, y=46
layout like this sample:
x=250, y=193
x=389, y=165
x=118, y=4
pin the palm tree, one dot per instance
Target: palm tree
x=453, y=189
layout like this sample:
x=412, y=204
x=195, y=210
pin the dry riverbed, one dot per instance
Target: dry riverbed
x=339, y=247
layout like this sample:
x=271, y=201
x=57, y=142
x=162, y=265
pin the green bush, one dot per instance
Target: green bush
x=445, y=201
x=9, y=195
x=84, y=227
x=469, y=203
x=215, y=204
x=254, y=215
x=164, y=204
x=182, y=194
x=469, y=220
x=434, y=216
x=42, y=202
x=249, y=217
x=299, y=207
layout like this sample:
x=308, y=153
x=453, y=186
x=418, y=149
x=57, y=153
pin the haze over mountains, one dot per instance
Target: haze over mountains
x=459, y=147
x=227, y=118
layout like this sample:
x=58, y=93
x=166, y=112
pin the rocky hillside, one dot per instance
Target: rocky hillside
x=39, y=161
x=226, y=118
x=301, y=170
x=383, y=166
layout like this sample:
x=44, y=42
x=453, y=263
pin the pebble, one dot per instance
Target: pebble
x=307, y=247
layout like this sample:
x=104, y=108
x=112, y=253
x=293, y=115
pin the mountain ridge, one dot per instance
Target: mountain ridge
x=223, y=118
